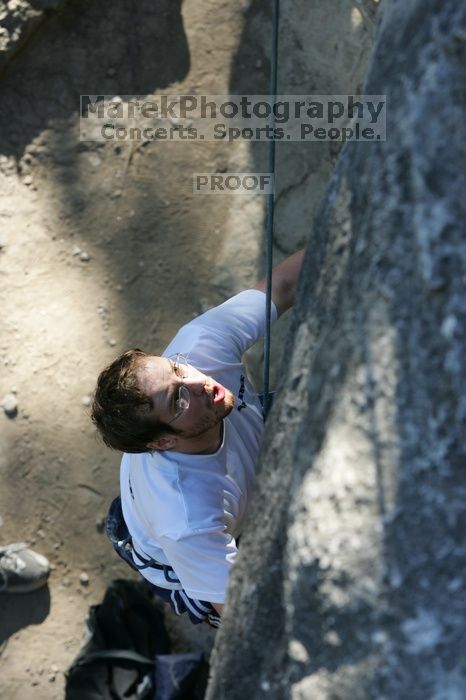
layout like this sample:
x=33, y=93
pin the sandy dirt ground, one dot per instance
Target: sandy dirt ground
x=104, y=247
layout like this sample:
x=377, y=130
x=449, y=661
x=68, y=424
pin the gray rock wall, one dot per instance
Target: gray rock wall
x=352, y=573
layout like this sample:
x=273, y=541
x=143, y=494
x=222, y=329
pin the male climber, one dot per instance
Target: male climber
x=189, y=424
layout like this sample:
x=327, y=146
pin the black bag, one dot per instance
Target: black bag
x=127, y=656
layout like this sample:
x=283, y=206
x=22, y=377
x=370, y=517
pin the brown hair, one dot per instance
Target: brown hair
x=122, y=413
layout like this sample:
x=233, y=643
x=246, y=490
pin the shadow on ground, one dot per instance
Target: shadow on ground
x=21, y=610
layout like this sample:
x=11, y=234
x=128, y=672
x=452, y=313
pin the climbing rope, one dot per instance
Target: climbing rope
x=270, y=210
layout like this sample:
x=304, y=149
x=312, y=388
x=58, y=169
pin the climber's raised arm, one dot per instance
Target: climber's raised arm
x=284, y=280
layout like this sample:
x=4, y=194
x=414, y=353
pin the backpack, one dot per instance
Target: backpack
x=127, y=653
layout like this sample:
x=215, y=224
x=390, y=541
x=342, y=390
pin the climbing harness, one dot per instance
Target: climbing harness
x=117, y=532
x=270, y=211
x=122, y=542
